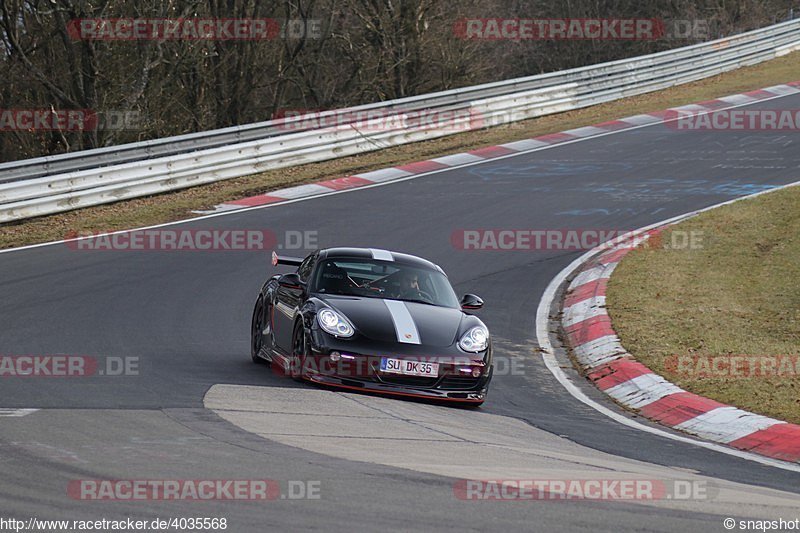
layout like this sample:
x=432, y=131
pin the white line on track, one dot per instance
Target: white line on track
x=552, y=364
x=381, y=184
x=542, y=318
x=12, y=412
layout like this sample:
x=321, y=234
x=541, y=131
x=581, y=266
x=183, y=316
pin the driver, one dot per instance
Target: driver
x=409, y=286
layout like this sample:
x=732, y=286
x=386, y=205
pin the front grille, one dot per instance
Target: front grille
x=459, y=383
x=351, y=383
x=411, y=381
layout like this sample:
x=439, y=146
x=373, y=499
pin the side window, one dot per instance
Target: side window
x=306, y=267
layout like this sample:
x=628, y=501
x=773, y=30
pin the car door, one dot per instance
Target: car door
x=287, y=303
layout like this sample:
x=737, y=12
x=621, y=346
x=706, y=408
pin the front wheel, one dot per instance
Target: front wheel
x=257, y=332
x=298, y=353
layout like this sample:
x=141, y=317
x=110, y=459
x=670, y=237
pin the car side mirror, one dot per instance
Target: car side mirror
x=471, y=302
x=291, y=281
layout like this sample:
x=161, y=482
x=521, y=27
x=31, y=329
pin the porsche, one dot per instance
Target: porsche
x=375, y=321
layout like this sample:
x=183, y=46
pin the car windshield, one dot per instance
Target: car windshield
x=383, y=279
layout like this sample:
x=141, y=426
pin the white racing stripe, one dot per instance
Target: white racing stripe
x=381, y=255
x=404, y=325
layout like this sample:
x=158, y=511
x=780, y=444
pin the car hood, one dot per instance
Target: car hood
x=397, y=321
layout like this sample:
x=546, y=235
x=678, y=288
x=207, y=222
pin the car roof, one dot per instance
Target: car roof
x=377, y=254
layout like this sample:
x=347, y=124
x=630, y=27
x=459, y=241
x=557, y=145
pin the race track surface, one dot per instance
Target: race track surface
x=185, y=316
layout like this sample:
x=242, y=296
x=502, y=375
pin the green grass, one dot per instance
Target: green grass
x=737, y=294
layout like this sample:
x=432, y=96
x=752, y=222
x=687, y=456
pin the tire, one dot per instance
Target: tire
x=256, y=327
x=298, y=353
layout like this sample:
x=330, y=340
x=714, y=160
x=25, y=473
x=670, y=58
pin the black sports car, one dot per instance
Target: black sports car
x=373, y=320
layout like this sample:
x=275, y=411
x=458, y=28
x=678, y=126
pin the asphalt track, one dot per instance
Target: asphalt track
x=185, y=315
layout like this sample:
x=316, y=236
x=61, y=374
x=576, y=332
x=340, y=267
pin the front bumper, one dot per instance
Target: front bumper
x=476, y=395
x=358, y=371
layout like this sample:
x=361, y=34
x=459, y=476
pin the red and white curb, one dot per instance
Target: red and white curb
x=491, y=152
x=605, y=362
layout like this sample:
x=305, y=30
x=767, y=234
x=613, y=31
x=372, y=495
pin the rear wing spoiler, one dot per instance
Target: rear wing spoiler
x=285, y=260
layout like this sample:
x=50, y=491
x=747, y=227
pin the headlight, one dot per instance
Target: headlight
x=334, y=323
x=475, y=340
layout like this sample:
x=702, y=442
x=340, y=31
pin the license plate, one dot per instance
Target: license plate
x=409, y=368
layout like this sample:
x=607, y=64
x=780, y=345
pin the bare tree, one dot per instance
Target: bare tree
x=366, y=51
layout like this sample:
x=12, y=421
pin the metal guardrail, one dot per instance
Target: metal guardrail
x=59, y=183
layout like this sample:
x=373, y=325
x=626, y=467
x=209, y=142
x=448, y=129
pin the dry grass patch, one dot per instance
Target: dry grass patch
x=179, y=205
x=738, y=295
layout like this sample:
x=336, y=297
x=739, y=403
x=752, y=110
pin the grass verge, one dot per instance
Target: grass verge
x=179, y=205
x=721, y=320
